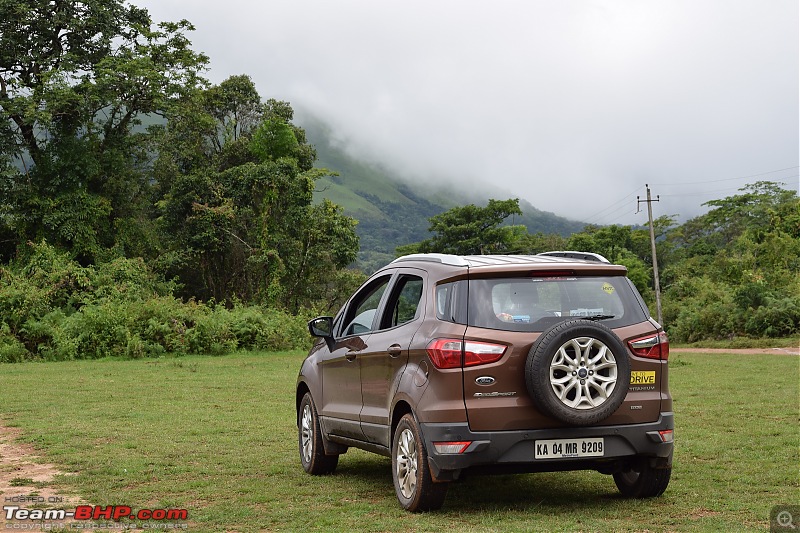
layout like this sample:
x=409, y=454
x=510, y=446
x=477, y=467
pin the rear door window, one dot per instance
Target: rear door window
x=404, y=303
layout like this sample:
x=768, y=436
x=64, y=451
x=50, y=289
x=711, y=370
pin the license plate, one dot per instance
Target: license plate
x=562, y=448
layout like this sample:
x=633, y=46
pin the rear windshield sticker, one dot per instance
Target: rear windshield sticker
x=586, y=312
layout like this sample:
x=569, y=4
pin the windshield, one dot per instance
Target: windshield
x=534, y=304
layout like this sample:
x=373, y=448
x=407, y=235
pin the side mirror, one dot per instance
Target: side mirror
x=322, y=327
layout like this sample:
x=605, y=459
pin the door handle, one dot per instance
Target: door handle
x=394, y=350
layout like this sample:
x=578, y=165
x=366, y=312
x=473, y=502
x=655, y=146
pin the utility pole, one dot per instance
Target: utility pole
x=653, y=246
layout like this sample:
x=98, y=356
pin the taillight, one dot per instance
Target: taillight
x=652, y=346
x=446, y=353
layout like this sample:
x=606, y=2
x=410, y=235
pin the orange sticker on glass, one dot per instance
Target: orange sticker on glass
x=608, y=288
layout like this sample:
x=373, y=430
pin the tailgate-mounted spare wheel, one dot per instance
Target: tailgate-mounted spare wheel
x=578, y=372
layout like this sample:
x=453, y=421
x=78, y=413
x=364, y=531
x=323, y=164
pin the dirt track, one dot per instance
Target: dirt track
x=25, y=481
x=746, y=351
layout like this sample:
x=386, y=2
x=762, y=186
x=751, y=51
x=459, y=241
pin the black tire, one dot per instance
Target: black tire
x=597, y=380
x=411, y=474
x=309, y=439
x=643, y=481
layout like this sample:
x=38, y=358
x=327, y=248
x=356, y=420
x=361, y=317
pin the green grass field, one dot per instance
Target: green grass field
x=217, y=436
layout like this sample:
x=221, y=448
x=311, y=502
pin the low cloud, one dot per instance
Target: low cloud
x=571, y=105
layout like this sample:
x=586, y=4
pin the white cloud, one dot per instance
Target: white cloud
x=570, y=104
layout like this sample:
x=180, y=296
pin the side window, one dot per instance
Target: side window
x=443, y=295
x=638, y=296
x=451, y=299
x=404, y=303
x=361, y=311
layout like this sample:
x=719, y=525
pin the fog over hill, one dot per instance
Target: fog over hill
x=393, y=210
x=572, y=106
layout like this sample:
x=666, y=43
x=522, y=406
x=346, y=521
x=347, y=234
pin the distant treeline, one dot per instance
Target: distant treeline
x=732, y=272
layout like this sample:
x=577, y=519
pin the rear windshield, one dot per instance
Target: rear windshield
x=535, y=304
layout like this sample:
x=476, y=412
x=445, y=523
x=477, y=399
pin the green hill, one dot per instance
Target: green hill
x=392, y=210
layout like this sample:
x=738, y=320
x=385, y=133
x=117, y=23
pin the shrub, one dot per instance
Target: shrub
x=52, y=308
x=777, y=318
x=11, y=350
x=698, y=308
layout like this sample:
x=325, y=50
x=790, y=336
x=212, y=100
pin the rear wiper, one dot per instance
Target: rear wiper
x=598, y=317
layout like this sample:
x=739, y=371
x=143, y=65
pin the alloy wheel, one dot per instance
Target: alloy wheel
x=407, y=463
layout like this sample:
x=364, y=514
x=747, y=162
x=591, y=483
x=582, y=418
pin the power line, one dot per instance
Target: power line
x=618, y=206
x=621, y=216
x=730, y=179
x=623, y=209
x=621, y=201
x=700, y=193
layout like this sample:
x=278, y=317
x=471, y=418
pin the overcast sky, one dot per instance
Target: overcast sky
x=572, y=105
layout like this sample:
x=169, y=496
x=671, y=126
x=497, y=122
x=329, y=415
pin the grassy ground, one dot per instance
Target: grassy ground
x=217, y=436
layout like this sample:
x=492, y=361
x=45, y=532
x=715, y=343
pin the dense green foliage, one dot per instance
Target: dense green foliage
x=75, y=80
x=735, y=271
x=216, y=192
x=235, y=181
x=55, y=309
x=116, y=154
x=732, y=272
x=470, y=230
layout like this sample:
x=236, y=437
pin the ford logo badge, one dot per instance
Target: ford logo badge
x=485, y=380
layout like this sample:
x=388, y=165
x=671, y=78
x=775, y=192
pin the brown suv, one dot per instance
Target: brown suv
x=491, y=364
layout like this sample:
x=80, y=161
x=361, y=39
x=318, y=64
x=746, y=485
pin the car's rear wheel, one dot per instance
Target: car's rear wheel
x=578, y=372
x=643, y=481
x=312, y=450
x=411, y=474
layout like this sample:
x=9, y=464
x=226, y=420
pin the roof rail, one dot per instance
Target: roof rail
x=585, y=256
x=446, y=259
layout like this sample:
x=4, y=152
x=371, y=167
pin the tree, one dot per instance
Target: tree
x=236, y=106
x=75, y=80
x=735, y=270
x=536, y=243
x=325, y=242
x=753, y=210
x=236, y=179
x=470, y=229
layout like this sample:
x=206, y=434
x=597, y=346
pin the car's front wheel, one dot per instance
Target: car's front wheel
x=312, y=450
x=411, y=474
x=643, y=481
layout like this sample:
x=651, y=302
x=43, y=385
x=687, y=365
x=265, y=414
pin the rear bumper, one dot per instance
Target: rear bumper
x=514, y=451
